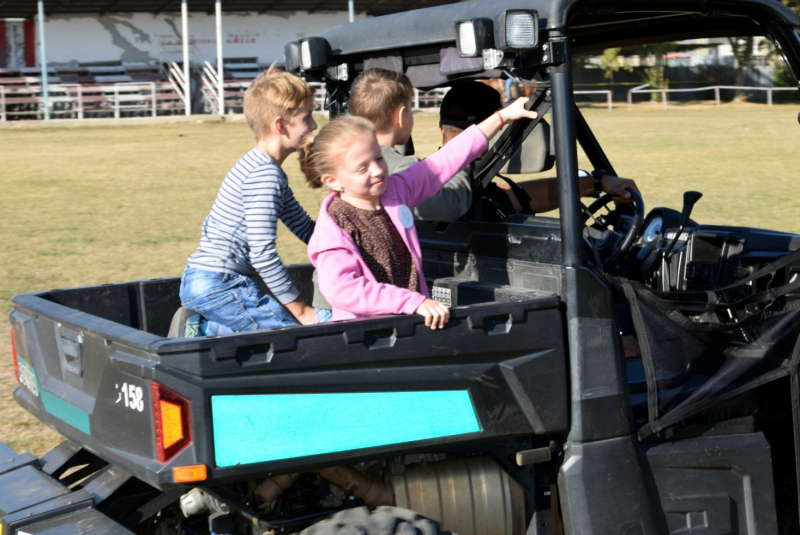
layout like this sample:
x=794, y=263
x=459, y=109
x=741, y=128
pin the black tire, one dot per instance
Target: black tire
x=380, y=521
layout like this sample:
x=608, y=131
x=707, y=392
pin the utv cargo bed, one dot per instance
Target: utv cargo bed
x=92, y=358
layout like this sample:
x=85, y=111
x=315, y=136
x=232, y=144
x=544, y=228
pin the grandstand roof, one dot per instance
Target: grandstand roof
x=27, y=8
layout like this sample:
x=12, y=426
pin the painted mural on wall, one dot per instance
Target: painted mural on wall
x=16, y=44
x=144, y=37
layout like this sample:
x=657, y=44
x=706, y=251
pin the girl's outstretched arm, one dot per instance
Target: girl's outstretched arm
x=422, y=180
x=516, y=110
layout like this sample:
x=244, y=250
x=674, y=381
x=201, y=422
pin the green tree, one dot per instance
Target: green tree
x=656, y=73
x=611, y=62
x=742, y=56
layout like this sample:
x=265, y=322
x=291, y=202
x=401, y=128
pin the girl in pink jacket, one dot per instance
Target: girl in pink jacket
x=364, y=246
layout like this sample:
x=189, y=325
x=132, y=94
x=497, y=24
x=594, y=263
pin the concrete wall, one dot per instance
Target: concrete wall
x=145, y=37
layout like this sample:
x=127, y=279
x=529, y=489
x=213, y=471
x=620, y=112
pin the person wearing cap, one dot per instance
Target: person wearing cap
x=470, y=103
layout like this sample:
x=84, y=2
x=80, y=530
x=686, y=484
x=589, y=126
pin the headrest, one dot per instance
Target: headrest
x=468, y=103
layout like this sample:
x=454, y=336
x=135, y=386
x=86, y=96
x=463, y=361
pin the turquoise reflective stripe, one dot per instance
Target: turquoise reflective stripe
x=258, y=428
x=66, y=411
x=59, y=408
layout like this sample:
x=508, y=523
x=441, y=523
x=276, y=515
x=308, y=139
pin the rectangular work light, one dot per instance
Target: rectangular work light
x=338, y=72
x=516, y=30
x=291, y=56
x=314, y=53
x=473, y=37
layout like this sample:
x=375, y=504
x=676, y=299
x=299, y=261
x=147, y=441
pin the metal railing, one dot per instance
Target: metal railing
x=77, y=101
x=211, y=87
x=131, y=98
x=642, y=89
x=433, y=97
x=179, y=82
x=605, y=92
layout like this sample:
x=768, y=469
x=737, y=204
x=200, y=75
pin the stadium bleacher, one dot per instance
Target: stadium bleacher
x=239, y=73
x=117, y=89
x=114, y=89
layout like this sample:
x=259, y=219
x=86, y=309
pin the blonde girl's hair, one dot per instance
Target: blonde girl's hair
x=321, y=155
x=377, y=93
x=274, y=94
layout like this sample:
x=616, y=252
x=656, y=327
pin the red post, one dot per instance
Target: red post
x=30, y=43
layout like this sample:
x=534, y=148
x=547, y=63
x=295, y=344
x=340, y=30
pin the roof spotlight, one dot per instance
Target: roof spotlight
x=338, y=72
x=314, y=53
x=516, y=30
x=474, y=36
x=291, y=56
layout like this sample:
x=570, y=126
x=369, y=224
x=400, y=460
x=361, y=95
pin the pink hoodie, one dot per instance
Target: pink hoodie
x=344, y=278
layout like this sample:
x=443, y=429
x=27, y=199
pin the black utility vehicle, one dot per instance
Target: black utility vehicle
x=522, y=416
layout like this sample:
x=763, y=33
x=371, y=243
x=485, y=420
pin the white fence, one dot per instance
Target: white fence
x=149, y=98
x=79, y=101
x=642, y=89
x=605, y=92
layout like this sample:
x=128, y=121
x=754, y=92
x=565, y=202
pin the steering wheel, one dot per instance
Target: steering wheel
x=604, y=241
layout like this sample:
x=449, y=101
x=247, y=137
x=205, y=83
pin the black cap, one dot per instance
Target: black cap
x=468, y=103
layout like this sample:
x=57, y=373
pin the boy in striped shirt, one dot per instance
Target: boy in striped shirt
x=238, y=236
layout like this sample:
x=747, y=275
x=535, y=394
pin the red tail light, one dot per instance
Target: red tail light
x=14, y=352
x=171, y=419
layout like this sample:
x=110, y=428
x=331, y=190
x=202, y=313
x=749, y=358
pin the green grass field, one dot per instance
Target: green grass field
x=102, y=204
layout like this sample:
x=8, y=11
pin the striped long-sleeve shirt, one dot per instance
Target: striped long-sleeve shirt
x=239, y=233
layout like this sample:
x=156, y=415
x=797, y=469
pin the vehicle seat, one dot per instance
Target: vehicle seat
x=187, y=324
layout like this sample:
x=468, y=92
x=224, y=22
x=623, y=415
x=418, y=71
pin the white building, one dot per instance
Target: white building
x=149, y=31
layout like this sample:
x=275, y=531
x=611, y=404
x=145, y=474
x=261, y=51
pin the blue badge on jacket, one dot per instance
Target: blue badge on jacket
x=406, y=218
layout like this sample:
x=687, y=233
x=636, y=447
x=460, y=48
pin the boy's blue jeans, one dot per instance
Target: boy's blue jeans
x=232, y=303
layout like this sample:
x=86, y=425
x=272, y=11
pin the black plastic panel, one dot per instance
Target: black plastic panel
x=715, y=484
x=30, y=487
x=82, y=522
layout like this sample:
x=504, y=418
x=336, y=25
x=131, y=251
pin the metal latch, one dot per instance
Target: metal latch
x=71, y=350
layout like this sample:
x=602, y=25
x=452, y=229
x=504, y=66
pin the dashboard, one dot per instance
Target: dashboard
x=706, y=257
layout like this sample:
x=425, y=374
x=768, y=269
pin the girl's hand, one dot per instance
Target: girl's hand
x=436, y=314
x=492, y=125
x=516, y=110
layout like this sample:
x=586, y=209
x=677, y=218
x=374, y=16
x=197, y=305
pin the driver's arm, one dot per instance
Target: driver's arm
x=544, y=192
x=616, y=186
